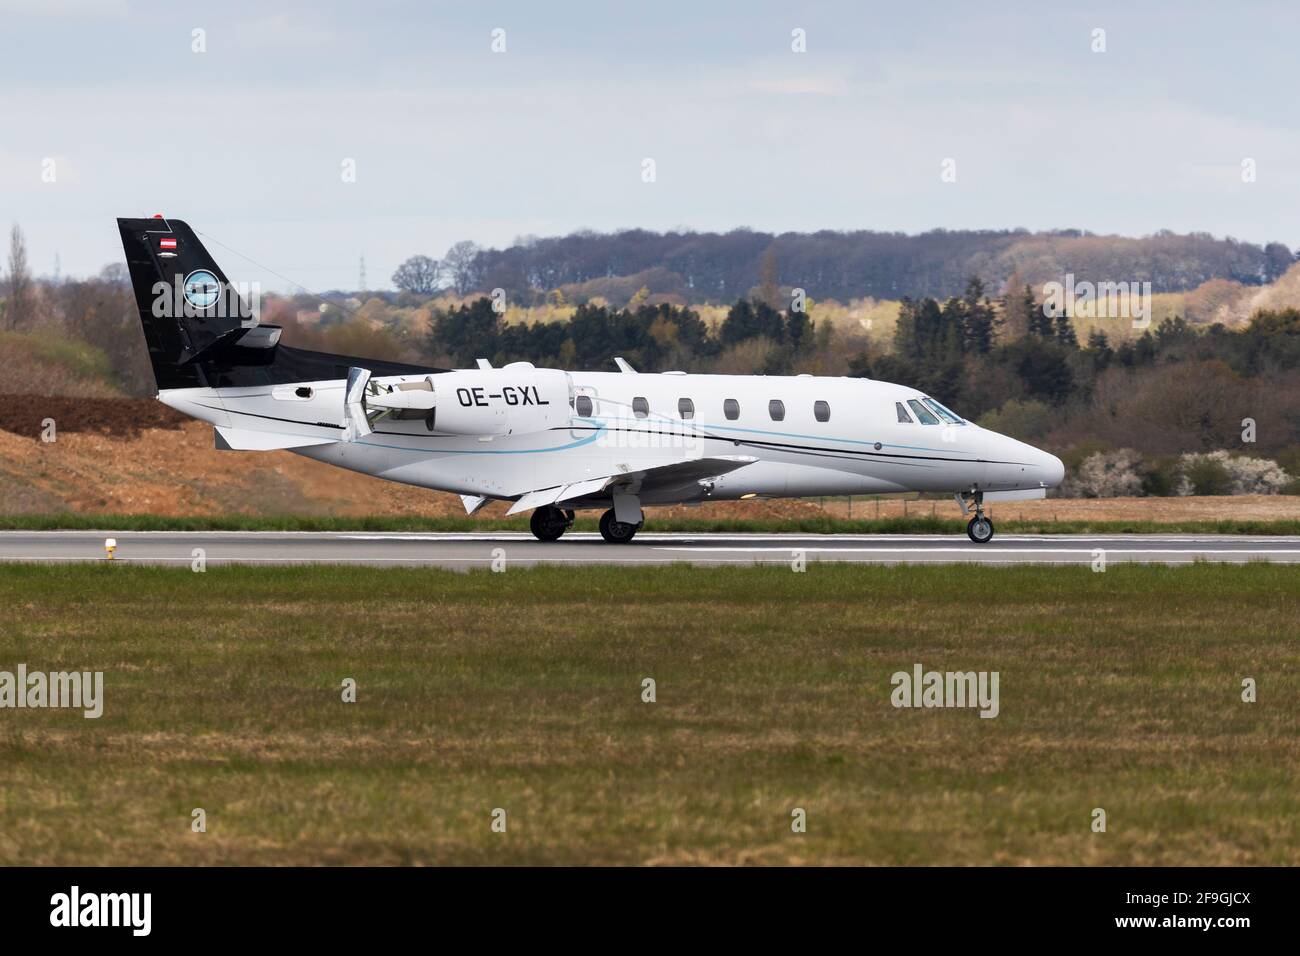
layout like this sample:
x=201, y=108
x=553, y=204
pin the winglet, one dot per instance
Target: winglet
x=623, y=366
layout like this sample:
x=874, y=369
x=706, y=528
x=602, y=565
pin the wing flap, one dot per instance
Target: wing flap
x=549, y=496
x=245, y=439
x=674, y=474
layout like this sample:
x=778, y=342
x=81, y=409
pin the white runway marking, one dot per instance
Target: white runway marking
x=462, y=550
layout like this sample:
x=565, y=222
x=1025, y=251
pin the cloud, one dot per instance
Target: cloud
x=280, y=31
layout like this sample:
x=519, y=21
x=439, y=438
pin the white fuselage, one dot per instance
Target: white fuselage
x=827, y=436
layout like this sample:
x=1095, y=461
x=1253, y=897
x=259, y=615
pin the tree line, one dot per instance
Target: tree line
x=708, y=267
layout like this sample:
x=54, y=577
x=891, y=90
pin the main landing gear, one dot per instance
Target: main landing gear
x=980, y=527
x=549, y=522
x=615, y=531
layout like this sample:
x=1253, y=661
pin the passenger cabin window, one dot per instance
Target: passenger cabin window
x=685, y=408
x=583, y=406
x=640, y=407
x=902, y=414
x=776, y=409
x=822, y=411
x=922, y=413
x=731, y=408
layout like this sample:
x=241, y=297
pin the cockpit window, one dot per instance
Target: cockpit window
x=902, y=414
x=922, y=413
x=942, y=412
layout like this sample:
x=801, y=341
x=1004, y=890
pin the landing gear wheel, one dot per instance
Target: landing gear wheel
x=549, y=522
x=980, y=529
x=615, y=531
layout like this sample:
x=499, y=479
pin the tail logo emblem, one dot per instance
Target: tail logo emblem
x=202, y=289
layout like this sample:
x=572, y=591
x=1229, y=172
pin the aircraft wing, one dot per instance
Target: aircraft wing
x=679, y=474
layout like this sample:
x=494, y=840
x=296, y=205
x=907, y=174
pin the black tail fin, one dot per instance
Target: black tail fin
x=201, y=332
x=190, y=312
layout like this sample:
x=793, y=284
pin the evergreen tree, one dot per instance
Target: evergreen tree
x=798, y=331
x=1040, y=323
x=768, y=322
x=979, y=317
x=466, y=333
x=1099, y=349
x=1065, y=332
x=739, y=323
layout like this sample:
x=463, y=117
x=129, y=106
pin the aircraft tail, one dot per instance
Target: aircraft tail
x=202, y=331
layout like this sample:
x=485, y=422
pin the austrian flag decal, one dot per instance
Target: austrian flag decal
x=167, y=246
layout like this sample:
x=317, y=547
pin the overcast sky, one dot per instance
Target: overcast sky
x=247, y=141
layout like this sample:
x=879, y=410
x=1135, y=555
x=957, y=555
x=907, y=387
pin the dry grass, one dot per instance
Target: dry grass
x=522, y=691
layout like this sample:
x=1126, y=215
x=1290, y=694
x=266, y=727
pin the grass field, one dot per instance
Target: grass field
x=588, y=521
x=522, y=691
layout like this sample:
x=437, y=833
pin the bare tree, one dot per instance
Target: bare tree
x=769, y=283
x=115, y=273
x=459, y=263
x=18, y=285
x=418, y=274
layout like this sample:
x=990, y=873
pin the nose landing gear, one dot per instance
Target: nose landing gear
x=980, y=527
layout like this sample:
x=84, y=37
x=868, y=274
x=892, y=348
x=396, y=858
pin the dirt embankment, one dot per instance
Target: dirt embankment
x=120, y=417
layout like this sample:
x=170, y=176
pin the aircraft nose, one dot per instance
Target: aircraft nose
x=1053, y=470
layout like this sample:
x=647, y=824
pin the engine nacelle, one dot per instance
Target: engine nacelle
x=511, y=400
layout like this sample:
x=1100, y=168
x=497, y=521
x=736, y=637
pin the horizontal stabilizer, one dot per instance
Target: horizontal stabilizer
x=245, y=439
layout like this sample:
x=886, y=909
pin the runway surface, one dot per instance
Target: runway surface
x=460, y=550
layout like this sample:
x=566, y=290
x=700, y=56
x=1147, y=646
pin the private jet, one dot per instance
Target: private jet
x=550, y=441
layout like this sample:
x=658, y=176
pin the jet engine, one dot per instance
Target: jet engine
x=477, y=402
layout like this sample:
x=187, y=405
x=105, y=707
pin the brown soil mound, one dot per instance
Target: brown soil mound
x=122, y=417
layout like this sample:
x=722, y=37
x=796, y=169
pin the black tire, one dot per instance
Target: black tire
x=980, y=529
x=615, y=531
x=548, y=523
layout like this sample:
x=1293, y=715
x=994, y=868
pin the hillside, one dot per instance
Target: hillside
x=709, y=268
x=48, y=362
